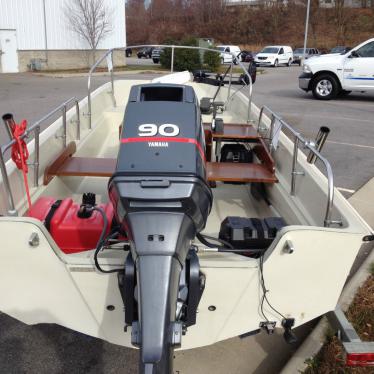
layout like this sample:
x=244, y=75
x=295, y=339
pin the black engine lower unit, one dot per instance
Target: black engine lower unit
x=191, y=288
x=250, y=233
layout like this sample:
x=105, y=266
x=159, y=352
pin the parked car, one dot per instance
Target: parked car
x=247, y=56
x=226, y=53
x=274, y=55
x=298, y=54
x=156, y=55
x=333, y=74
x=340, y=49
x=128, y=52
x=145, y=52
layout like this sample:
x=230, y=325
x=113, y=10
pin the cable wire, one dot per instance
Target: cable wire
x=203, y=239
x=102, y=241
x=265, y=291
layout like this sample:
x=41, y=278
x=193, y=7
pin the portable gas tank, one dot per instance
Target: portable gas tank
x=72, y=230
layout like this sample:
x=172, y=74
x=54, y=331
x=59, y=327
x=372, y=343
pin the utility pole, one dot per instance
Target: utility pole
x=306, y=29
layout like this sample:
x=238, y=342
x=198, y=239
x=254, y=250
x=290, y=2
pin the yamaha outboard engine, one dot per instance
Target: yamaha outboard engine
x=161, y=199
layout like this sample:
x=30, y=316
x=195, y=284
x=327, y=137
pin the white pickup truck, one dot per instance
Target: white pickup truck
x=330, y=75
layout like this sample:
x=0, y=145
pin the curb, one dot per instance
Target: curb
x=314, y=342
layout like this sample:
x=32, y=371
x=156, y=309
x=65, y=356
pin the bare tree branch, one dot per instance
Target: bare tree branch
x=89, y=19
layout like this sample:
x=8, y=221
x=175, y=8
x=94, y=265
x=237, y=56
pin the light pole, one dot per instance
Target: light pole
x=306, y=29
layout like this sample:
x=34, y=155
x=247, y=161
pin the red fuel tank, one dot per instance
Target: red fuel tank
x=71, y=233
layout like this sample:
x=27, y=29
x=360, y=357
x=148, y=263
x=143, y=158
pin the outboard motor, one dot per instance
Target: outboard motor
x=161, y=199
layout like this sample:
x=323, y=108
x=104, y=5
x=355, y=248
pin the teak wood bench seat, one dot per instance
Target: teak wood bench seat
x=216, y=171
x=234, y=131
x=67, y=165
x=238, y=172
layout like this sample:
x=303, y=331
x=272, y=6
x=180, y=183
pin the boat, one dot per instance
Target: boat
x=171, y=214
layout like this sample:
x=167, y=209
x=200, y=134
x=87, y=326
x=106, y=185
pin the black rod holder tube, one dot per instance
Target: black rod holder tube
x=320, y=141
x=9, y=124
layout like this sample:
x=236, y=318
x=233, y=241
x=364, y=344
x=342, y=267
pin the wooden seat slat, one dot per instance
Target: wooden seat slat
x=239, y=172
x=87, y=167
x=263, y=154
x=234, y=131
x=216, y=171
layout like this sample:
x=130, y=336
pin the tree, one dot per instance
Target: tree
x=137, y=22
x=341, y=16
x=90, y=20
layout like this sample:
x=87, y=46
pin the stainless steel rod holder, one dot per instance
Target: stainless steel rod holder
x=319, y=142
x=9, y=122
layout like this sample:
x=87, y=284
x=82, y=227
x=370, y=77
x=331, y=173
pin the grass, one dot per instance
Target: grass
x=330, y=360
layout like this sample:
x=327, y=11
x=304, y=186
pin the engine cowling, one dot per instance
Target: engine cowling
x=161, y=198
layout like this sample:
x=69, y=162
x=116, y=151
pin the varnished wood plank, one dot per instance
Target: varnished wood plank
x=216, y=171
x=51, y=169
x=239, y=172
x=234, y=131
x=208, y=145
x=262, y=152
x=87, y=167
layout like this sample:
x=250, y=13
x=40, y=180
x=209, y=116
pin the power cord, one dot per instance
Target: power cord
x=102, y=241
x=203, y=239
x=265, y=291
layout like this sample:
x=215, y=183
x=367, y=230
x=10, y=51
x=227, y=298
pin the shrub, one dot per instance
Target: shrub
x=184, y=59
x=212, y=60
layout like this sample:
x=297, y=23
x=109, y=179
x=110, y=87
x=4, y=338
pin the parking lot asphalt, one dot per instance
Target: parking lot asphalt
x=52, y=349
x=350, y=145
x=30, y=96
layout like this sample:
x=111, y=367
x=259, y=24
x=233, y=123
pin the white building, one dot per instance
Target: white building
x=36, y=34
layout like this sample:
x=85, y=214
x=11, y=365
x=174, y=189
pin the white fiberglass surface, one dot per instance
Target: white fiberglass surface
x=234, y=200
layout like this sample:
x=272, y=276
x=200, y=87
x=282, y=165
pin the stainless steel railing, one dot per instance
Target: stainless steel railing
x=35, y=130
x=109, y=57
x=299, y=139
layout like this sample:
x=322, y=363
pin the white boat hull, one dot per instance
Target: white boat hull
x=41, y=284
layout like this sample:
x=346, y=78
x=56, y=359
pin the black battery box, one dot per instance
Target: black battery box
x=250, y=233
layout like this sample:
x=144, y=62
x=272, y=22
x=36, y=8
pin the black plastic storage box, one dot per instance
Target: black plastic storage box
x=250, y=233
